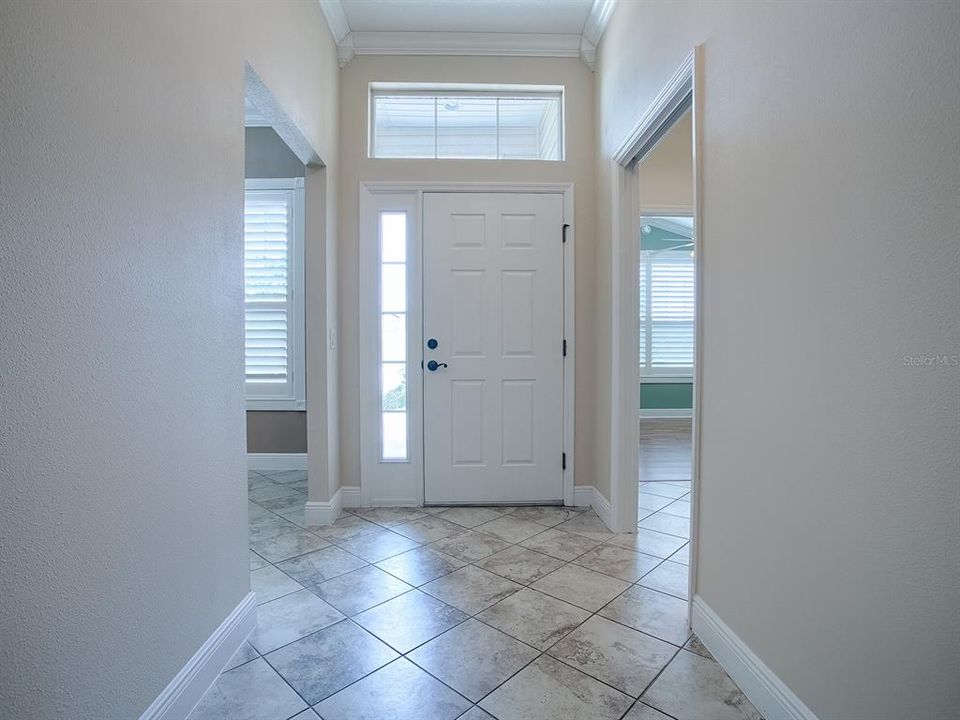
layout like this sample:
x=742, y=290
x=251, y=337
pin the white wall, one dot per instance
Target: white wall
x=356, y=166
x=829, y=500
x=122, y=491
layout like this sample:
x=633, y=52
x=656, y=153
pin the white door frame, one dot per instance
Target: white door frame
x=625, y=372
x=402, y=483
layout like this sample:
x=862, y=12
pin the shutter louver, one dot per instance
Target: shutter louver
x=644, y=309
x=667, y=310
x=267, y=243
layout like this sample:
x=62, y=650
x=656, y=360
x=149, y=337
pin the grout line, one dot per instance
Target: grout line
x=473, y=616
x=657, y=676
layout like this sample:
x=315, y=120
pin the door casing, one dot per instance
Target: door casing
x=392, y=483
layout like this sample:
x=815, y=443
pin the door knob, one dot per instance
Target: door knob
x=433, y=365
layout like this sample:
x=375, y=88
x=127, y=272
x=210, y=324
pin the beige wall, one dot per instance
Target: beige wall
x=829, y=498
x=122, y=473
x=578, y=168
x=665, y=176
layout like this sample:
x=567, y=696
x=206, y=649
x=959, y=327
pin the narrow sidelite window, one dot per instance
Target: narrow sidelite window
x=393, y=335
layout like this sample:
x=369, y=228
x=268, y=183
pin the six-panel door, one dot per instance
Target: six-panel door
x=493, y=302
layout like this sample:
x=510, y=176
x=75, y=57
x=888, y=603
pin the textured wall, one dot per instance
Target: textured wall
x=829, y=513
x=577, y=168
x=122, y=492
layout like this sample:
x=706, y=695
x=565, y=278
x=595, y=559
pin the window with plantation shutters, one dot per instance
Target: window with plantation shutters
x=666, y=312
x=273, y=294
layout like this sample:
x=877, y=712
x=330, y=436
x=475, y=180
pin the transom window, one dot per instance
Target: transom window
x=466, y=122
x=666, y=297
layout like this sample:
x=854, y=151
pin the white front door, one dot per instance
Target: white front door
x=493, y=347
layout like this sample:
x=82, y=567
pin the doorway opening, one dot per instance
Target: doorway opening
x=666, y=332
x=656, y=301
x=667, y=282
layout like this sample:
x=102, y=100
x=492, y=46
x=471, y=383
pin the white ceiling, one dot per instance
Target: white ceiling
x=545, y=28
x=488, y=16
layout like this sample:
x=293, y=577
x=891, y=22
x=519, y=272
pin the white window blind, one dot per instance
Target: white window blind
x=273, y=294
x=465, y=124
x=666, y=312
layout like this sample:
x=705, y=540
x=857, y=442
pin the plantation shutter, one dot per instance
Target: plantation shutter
x=666, y=316
x=267, y=238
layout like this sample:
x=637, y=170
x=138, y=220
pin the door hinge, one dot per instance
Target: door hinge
x=566, y=226
x=563, y=461
x=564, y=347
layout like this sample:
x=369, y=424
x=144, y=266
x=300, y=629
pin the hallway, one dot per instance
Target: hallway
x=663, y=500
x=472, y=612
x=487, y=252
x=666, y=446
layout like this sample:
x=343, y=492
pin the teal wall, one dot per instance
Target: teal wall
x=662, y=396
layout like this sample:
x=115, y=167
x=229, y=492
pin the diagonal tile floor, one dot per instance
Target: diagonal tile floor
x=475, y=613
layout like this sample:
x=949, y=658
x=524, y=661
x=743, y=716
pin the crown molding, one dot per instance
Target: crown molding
x=597, y=20
x=336, y=19
x=465, y=43
x=582, y=45
x=345, y=51
x=593, y=28
x=588, y=52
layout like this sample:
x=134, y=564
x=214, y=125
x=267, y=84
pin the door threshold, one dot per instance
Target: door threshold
x=525, y=503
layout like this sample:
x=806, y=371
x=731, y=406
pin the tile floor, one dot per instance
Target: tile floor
x=666, y=448
x=472, y=613
x=663, y=500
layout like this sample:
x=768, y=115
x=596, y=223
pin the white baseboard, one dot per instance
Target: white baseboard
x=183, y=693
x=324, y=513
x=276, y=461
x=350, y=495
x=393, y=502
x=661, y=413
x=589, y=496
x=763, y=688
x=583, y=495
x=603, y=509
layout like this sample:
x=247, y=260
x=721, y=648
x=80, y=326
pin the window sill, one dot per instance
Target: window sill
x=266, y=404
x=676, y=379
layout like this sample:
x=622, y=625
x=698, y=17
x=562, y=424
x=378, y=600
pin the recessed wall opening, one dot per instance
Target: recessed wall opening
x=274, y=349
